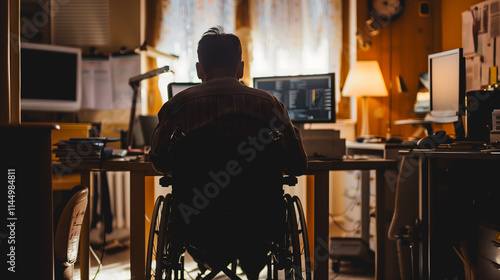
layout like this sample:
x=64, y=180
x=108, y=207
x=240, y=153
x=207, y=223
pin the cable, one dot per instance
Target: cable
x=99, y=263
x=103, y=221
x=345, y=229
x=354, y=199
x=350, y=207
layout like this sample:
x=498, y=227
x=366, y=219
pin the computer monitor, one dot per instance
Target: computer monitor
x=307, y=98
x=447, y=88
x=50, y=78
x=175, y=88
x=143, y=129
x=446, y=85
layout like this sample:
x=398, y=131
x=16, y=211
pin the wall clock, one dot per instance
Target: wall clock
x=387, y=10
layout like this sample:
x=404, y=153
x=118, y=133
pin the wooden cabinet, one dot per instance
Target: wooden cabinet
x=27, y=160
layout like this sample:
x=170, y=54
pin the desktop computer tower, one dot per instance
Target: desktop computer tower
x=480, y=105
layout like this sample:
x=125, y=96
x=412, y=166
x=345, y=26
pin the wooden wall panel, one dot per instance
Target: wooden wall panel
x=401, y=47
x=451, y=21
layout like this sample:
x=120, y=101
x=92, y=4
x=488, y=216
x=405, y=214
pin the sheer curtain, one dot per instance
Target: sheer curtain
x=292, y=37
x=183, y=24
x=287, y=37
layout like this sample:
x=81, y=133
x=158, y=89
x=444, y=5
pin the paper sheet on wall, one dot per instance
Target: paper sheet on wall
x=481, y=17
x=494, y=8
x=473, y=74
x=468, y=42
x=485, y=48
x=123, y=67
x=485, y=31
x=97, y=84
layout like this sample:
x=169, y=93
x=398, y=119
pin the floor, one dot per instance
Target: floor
x=116, y=266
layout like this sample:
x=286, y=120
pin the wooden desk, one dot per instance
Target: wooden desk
x=319, y=169
x=457, y=190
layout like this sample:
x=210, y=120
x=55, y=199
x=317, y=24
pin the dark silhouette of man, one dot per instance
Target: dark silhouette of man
x=226, y=108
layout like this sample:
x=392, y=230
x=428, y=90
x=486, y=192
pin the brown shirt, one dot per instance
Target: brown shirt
x=227, y=108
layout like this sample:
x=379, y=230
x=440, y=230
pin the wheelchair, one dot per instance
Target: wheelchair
x=287, y=248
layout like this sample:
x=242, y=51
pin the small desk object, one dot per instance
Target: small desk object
x=458, y=192
x=319, y=221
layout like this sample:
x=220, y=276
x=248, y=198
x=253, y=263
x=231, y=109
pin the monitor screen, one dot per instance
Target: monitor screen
x=175, y=88
x=446, y=85
x=307, y=98
x=50, y=78
x=143, y=129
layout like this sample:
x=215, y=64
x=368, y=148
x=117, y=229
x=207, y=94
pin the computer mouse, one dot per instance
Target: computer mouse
x=394, y=139
x=434, y=140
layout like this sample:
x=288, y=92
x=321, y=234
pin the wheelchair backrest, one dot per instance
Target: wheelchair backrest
x=216, y=175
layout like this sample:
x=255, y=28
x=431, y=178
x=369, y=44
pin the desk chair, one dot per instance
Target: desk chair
x=404, y=228
x=68, y=218
x=226, y=205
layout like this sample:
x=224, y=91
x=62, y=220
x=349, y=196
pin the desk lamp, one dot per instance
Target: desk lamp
x=134, y=83
x=365, y=80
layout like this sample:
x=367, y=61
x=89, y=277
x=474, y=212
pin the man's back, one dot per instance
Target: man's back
x=223, y=107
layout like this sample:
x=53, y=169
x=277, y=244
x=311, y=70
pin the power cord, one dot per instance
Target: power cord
x=99, y=263
x=354, y=199
x=103, y=220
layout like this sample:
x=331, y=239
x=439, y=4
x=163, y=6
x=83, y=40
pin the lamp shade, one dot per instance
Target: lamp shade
x=365, y=79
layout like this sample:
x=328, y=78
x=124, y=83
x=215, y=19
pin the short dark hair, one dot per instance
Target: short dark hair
x=217, y=49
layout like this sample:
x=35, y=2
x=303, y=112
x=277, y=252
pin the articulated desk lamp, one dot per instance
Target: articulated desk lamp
x=134, y=83
x=365, y=80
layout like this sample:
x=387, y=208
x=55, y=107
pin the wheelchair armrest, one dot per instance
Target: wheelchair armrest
x=166, y=180
x=290, y=180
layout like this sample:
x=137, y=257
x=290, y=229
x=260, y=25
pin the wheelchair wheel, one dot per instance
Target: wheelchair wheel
x=297, y=264
x=154, y=230
x=169, y=258
x=304, y=239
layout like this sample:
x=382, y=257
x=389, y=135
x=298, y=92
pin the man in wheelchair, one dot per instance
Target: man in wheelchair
x=226, y=146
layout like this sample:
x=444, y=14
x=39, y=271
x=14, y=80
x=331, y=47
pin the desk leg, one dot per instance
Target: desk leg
x=85, y=231
x=381, y=232
x=321, y=224
x=137, y=220
x=424, y=205
x=365, y=206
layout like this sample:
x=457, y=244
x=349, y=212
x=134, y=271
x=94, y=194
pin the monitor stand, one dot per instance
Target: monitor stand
x=459, y=130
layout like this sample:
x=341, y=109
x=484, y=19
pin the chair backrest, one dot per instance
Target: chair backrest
x=68, y=220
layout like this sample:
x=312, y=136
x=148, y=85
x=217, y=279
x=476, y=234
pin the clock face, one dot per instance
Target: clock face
x=387, y=9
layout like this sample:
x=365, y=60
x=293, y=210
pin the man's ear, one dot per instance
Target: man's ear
x=200, y=71
x=240, y=69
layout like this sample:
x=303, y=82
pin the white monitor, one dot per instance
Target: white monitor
x=446, y=86
x=175, y=88
x=50, y=78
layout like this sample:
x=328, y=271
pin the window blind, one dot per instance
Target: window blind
x=80, y=22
